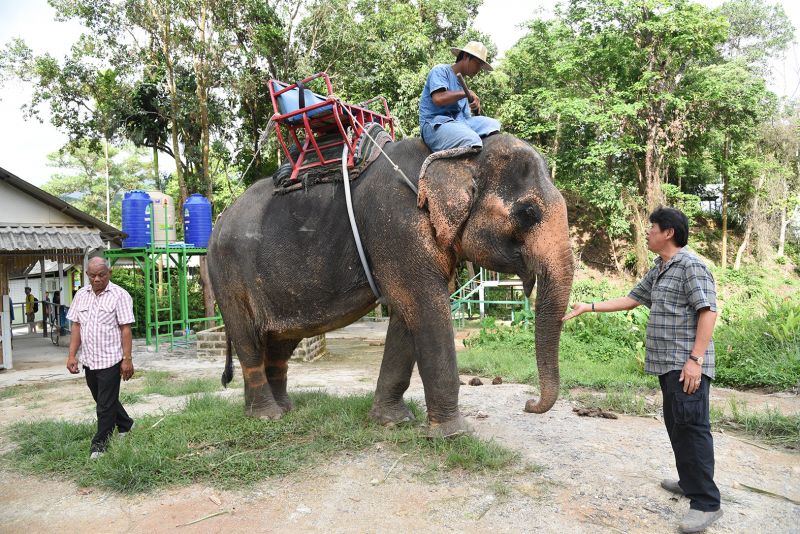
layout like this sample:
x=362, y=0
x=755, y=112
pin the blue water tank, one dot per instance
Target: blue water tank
x=136, y=208
x=197, y=220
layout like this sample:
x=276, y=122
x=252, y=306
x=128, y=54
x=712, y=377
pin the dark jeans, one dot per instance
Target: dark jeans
x=104, y=384
x=687, y=421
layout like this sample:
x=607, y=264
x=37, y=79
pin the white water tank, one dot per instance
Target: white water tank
x=163, y=218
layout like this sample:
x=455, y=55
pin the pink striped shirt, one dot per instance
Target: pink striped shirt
x=100, y=317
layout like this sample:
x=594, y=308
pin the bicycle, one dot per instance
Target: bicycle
x=55, y=328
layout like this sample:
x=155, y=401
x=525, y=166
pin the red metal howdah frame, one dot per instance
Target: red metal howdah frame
x=325, y=116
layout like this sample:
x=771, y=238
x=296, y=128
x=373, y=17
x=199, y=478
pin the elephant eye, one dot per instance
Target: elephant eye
x=526, y=215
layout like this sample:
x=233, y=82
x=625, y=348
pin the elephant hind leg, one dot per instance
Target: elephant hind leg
x=276, y=365
x=258, y=399
x=388, y=407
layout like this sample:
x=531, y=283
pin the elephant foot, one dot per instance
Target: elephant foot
x=391, y=415
x=450, y=429
x=269, y=412
x=284, y=402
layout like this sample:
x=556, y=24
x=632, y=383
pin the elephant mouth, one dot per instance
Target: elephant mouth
x=527, y=286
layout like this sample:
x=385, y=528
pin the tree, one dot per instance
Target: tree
x=84, y=187
x=780, y=141
x=599, y=89
x=732, y=102
x=758, y=32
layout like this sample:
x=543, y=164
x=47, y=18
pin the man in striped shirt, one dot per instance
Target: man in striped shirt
x=682, y=299
x=101, y=315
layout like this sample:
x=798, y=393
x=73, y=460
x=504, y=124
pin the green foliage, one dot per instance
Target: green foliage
x=757, y=340
x=689, y=204
x=761, y=349
x=211, y=441
x=84, y=184
x=132, y=280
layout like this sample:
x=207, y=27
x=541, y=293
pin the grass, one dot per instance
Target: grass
x=757, y=339
x=578, y=371
x=212, y=441
x=628, y=401
x=770, y=426
x=20, y=390
x=166, y=384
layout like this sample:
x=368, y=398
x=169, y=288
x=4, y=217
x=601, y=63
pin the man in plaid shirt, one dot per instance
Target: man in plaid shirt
x=682, y=299
x=101, y=315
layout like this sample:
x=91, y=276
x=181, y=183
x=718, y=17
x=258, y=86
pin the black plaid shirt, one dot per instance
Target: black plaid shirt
x=674, y=295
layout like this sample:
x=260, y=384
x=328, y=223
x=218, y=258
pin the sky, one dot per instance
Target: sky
x=24, y=144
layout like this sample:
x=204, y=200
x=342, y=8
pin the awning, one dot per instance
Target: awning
x=56, y=242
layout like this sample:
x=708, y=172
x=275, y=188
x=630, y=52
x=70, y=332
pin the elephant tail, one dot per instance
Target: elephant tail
x=227, y=373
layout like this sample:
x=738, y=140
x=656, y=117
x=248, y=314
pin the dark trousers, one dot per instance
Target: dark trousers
x=687, y=420
x=104, y=384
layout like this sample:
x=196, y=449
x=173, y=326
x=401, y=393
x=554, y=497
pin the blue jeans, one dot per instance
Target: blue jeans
x=459, y=133
x=687, y=420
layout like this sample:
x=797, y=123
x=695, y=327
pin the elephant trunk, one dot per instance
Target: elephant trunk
x=552, y=297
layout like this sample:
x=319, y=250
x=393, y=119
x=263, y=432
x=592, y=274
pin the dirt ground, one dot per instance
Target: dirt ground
x=585, y=474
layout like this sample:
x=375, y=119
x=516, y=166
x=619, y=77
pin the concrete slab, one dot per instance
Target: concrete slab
x=361, y=329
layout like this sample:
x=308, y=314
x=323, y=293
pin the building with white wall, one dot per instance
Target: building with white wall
x=37, y=227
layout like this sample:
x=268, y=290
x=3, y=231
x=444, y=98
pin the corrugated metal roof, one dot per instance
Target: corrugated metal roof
x=25, y=238
x=108, y=231
x=50, y=266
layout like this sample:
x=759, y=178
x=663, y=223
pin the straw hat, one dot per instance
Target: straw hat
x=476, y=49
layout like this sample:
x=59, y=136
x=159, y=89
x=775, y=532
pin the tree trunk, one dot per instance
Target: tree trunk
x=782, y=236
x=208, y=292
x=156, y=171
x=749, y=226
x=723, y=262
x=201, y=75
x=165, y=30
x=639, y=233
x=108, y=194
x=555, y=147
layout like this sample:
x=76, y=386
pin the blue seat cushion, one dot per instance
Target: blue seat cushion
x=290, y=101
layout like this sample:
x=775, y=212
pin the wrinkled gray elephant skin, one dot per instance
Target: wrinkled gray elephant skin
x=285, y=267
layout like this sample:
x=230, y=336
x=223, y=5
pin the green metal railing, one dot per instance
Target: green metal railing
x=463, y=297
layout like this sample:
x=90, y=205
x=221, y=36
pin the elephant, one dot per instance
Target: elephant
x=285, y=267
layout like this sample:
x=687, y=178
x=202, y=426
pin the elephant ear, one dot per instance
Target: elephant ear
x=448, y=189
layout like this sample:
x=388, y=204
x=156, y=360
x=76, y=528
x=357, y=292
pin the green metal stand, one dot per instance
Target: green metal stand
x=159, y=311
x=471, y=293
x=174, y=259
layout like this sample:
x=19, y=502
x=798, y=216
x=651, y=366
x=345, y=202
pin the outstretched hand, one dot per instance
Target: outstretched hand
x=577, y=309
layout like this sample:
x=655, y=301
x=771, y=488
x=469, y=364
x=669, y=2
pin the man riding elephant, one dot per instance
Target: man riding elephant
x=445, y=114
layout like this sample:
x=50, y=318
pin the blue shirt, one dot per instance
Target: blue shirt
x=441, y=77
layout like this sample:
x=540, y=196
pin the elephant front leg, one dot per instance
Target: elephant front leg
x=388, y=407
x=436, y=361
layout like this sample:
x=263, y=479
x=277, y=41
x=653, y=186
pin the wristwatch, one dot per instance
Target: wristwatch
x=698, y=359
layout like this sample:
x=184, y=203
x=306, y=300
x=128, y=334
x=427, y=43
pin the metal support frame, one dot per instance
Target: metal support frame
x=465, y=295
x=5, y=316
x=327, y=116
x=158, y=308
